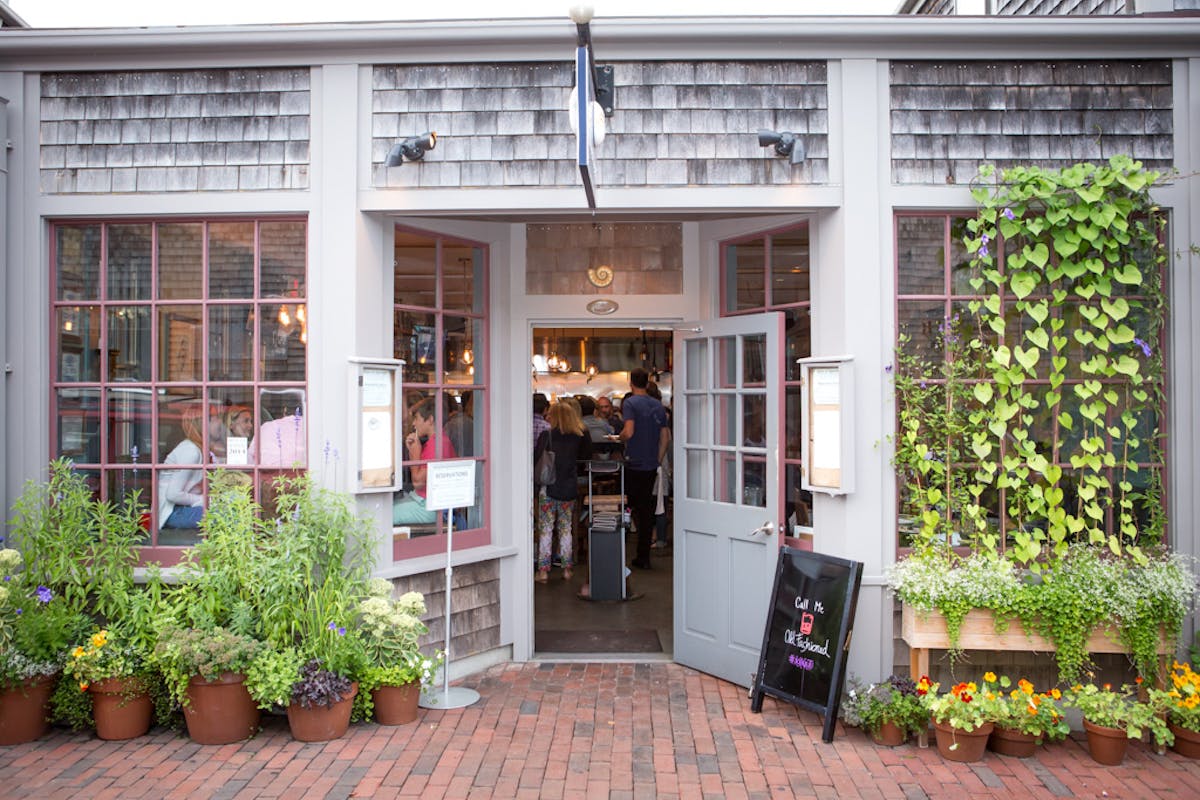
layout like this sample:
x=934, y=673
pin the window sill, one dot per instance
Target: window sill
x=433, y=563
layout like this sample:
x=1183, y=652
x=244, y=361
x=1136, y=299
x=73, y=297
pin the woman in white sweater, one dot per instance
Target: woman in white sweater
x=180, y=502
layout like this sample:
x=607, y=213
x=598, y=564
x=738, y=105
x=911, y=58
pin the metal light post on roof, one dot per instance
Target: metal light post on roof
x=591, y=100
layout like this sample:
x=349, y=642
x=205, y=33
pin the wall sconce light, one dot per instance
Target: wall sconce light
x=786, y=144
x=412, y=149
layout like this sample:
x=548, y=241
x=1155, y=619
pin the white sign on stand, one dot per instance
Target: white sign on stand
x=449, y=485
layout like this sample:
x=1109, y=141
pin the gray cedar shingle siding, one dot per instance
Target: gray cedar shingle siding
x=675, y=124
x=949, y=117
x=176, y=131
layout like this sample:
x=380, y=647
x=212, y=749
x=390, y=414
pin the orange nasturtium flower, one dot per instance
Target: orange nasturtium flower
x=1138, y=680
x=1056, y=694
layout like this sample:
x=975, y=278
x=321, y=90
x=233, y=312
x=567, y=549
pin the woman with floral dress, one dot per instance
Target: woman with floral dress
x=569, y=440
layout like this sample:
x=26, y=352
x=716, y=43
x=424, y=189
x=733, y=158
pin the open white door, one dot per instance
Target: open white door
x=727, y=503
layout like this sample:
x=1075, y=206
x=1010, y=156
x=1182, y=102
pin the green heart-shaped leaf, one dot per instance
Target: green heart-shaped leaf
x=1026, y=358
x=1039, y=337
x=1023, y=283
x=1039, y=254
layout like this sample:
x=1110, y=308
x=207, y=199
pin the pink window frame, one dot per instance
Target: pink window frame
x=164, y=554
x=948, y=299
x=404, y=549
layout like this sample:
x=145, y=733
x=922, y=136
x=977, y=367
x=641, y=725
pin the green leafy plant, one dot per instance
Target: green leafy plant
x=1087, y=588
x=271, y=676
x=894, y=700
x=1181, y=697
x=1025, y=710
x=964, y=707
x=1120, y=709
x=81, y=548
x=37, y=626
x=184, y=653
x=1033, y=428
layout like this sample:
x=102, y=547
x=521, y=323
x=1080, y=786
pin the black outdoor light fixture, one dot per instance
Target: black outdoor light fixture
x=786, y=144
x=412, y=149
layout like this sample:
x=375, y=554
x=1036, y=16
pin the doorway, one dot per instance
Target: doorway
x=590, y=365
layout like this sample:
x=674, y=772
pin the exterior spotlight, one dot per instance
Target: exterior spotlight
x=786, y=144
x=413, y=149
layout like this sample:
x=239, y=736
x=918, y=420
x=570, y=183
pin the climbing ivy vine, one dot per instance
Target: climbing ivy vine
x=1061, y=366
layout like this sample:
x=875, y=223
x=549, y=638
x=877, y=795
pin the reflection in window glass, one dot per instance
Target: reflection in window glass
x=725, y=477
x=754, y=358
x=231, y=259
x=179, y=344
x=745, y=281
x=696, y=351
x=698, y=482
x=129, y=334
x=283, y=260
x=77, y=251
x=754, y=477
x=78, y=343
x=790, y=268
x=130, y=261
x=180, y=261
x=416, y=270
x=230, y=342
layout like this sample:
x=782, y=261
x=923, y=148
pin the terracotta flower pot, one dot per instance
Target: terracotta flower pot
x=889, y=735
x=396, y=705
x=24, y=710
x=121, y=707
x=1009, y=742
x=959, y=745
x=220, y=711
x=321, y=723
x=1187, y=743
x=1106, y=745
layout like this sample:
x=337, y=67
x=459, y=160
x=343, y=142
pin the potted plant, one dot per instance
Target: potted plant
x=1111, y=718
x=962, y=717
x=113, y=669
x=205, y=670
x=889, y=711
x=391, y=629
x=321, y=703
x=1027, y=717
x=36, y=628
x=1181, y=701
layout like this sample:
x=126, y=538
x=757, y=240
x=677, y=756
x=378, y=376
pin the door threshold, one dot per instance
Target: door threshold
x=604, y=658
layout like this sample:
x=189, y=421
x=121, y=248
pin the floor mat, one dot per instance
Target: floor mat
x=635, y=641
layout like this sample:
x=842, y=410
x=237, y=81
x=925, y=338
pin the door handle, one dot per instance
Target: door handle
x=766, y=529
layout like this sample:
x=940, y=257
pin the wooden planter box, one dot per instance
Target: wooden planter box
x=924, y=632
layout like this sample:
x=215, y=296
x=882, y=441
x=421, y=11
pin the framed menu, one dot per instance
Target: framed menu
x=376, y=392
x=827, y=400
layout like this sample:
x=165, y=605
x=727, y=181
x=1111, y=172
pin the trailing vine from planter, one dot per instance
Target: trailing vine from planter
x=1076, y=243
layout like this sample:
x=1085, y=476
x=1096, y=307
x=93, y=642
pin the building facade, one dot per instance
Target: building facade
x=200, y=222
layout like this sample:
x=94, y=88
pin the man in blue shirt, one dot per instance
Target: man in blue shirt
x=646, y=438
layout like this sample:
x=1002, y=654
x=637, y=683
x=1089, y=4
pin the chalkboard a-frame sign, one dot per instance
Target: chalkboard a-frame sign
x=808, y=631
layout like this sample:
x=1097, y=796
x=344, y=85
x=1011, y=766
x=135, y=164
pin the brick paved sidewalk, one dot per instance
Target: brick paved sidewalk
x=576, y=731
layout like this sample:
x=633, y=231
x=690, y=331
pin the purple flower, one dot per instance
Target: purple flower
x=44, y=595
x=928, y=455
x=983, y=251
x=296, y=518
x=984, y=238
x=332, y=626
x=1146, y=351
x=133, y=452
x=20, y=611
x=1008, y=213
x=326, y=451
x=341, y=631
x=335, y=454
x=924, y=385
x=888, y=369
x=7, y=578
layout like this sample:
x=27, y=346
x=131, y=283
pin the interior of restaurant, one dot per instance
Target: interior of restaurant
x=568, y=620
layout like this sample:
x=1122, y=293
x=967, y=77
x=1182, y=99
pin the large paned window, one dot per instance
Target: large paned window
x=440, y=332
x=933, y=289
x=770, y=272
x=179, y=346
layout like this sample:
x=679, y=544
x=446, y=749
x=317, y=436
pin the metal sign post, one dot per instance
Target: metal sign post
x=449, y=485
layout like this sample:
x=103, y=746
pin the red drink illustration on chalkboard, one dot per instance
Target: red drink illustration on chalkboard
x=806, y=623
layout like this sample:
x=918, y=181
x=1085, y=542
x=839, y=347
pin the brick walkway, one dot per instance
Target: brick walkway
x=576, y=730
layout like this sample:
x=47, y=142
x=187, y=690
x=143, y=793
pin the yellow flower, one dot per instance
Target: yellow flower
x=83, y=686
x=990, y=677
x=99, y=639
x=77, y=652
x=1056, y=694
